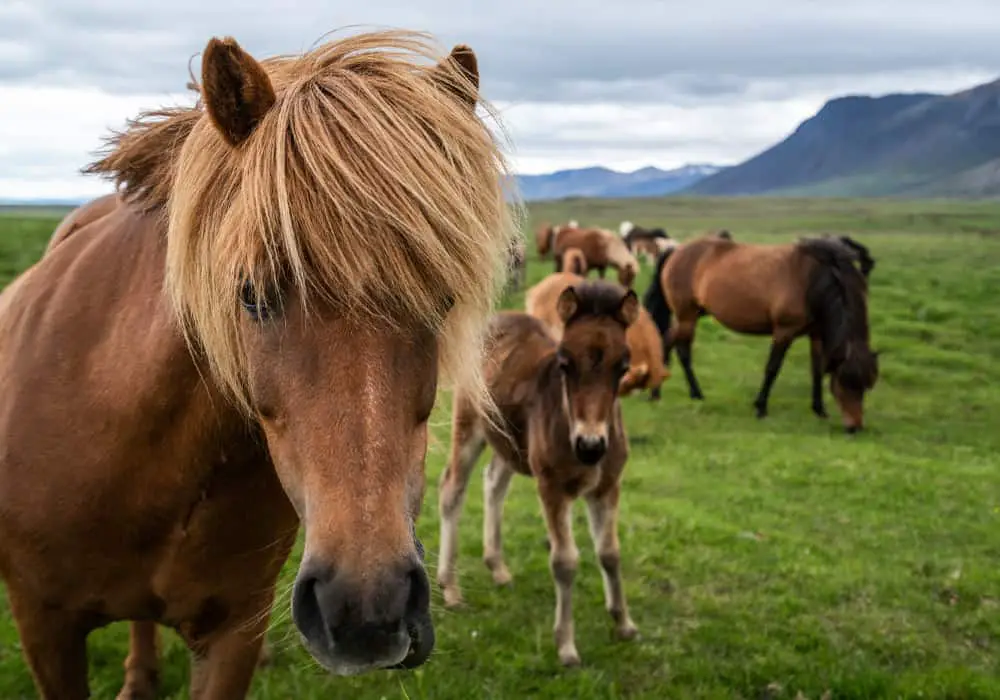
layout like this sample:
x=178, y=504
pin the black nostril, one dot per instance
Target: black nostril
x=419, y=599
x=306, y=611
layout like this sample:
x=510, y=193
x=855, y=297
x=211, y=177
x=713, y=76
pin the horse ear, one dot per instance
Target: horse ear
x=567, y=304
x=235, y=88
x=459, y=74
x=628, y=310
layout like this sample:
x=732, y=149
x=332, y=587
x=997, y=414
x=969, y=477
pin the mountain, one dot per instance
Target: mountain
x=920, y=144
x=604, y=182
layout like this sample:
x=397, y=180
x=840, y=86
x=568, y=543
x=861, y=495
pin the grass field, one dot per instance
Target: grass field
x=762, y=559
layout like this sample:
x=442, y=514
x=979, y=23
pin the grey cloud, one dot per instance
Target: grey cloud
x=557, y=51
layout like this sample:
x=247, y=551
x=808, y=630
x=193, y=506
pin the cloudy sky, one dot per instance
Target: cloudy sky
x=621, y=83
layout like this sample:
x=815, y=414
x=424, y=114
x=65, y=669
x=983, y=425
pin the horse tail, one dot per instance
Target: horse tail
x=655, y=300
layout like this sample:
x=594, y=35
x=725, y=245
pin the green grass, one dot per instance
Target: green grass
x=762, y=559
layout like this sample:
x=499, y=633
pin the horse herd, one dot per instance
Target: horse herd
x=815, y=287
x=248, y=337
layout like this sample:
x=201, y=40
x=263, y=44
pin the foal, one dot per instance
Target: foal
x=559, y=421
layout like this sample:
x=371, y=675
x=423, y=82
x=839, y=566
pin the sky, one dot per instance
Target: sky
x=619, y=83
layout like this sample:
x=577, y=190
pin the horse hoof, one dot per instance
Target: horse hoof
x=697, y=396
x=628, y=633
x=569, y=659
x=820, y=412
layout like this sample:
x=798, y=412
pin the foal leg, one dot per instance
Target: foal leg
x=563, y=560
x=779, y=346
x=467, y=443
x=54, y=643
x=602, y=512
x=496, y=482
x=142, y=666
x=816, y=360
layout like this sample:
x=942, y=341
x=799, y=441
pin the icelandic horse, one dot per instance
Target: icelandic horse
x=645, y=344
x=601, y=248
x=247, y=337
x=559, y=421
x=810, y=287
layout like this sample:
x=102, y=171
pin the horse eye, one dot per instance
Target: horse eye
x=258, y=310
x=565, y=363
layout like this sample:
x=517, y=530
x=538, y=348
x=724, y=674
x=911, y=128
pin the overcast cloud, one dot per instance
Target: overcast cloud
x=623, y=83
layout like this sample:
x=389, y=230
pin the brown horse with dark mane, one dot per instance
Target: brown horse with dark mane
x=560, y=422
x=248, y=338
x=786, y=291
x=601, y=249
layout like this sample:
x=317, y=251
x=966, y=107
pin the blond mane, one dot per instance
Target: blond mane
x=366, y=187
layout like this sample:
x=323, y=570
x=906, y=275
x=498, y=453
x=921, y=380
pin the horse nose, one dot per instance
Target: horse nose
x=351, y=628
x=590, y=448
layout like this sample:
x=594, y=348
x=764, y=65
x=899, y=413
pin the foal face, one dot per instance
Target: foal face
x=593, y=357
x=344, y=409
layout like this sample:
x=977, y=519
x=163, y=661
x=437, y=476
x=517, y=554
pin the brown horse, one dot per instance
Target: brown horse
x=560, y=422
x=645, y=344
x=248, y=338
x=786, y=291
x=601, y=248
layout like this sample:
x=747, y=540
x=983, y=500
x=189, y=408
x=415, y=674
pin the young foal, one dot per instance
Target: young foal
x=806, y=288
x=246, y=339
x=560, y=422
x=645, y=343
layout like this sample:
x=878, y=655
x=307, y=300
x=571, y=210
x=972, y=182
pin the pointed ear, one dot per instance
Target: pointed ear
x=235, y=88
x=628, y=310
x=459, y=74
x=567, y=304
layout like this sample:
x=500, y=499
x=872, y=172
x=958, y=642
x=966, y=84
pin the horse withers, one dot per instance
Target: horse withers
x=248, y=337
x=559, y=422
x=811, y=287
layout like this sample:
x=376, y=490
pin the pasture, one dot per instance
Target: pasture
x=762, y=559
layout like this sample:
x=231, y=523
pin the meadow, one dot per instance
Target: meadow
x=774, y=558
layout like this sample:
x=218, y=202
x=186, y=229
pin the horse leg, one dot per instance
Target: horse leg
x=779, y=346
x=223, y=668
x=602, y=512
x=563, y=560
x=467, y=444
x=495, y=485
x=54, y=643
x=683, y=334
x=142, y=665
x=816, y=360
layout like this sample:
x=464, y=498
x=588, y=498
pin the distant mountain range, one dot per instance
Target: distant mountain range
x=900, y=145
x=604, y=182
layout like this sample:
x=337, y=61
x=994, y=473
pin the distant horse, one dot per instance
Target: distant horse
x=648, y=242
x=547, y=233
x=575, y=262
x=517, y=264
x=806, y=288
x=246, y=338
x=560, y=422
x=646, y=368
x=601, y=248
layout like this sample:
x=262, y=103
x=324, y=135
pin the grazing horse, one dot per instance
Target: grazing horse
x=246, y=338
x=547, y=233
x=645, y=343
x=560, y=422
x=786, y=291
x=601, y=248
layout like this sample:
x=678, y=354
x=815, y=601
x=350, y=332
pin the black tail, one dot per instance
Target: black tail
x=655, y=300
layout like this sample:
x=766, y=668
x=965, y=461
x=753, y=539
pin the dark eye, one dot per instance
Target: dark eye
x=565, y=363
x=259, y=309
